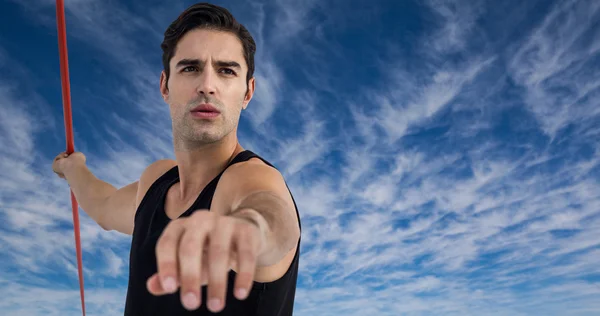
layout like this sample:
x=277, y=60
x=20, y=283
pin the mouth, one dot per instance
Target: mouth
x=205, y=110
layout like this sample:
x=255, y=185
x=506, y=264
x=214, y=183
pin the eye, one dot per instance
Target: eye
x=188, y=69
x=228, y=71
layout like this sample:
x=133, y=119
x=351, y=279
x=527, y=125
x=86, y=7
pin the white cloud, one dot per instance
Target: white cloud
x=553, y=64
x=268, y=84
x=458, y=21
x=114, y=263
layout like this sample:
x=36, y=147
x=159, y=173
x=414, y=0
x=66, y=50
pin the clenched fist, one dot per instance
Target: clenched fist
x=200, y=250
x=64, y=160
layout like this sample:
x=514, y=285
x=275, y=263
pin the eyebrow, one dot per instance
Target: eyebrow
x=218, y=63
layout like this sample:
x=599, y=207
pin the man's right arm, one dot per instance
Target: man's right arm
x=111, y=208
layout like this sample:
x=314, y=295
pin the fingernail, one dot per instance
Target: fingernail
x=241, y=294
x=214, y=304
x=190, y=301
x=169, y=284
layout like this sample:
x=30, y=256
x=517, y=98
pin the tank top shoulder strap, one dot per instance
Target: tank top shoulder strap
x=243, y=156
x=248, y=154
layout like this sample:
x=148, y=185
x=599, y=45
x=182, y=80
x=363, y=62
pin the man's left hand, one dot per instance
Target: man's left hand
x=201, y=249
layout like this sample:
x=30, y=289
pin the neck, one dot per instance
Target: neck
x=199, y=165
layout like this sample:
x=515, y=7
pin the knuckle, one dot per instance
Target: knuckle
x=164, y=242
x=246, y=240
x=247, y=229
x=217, y=249
x=195, y=216
x=162, y=250
x=246, y=234
x=200, y=215
x=247, y=257
x=188, y=247
x=246, y=253
x=190, y=280
x=198, y=220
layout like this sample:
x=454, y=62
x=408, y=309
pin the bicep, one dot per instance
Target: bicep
x=119, y=209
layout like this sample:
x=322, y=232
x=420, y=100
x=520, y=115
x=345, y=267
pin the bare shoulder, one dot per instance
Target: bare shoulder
x=151, y=174
x=254, y=175
x=252, y=168
x=249, y=167
x=247, y=178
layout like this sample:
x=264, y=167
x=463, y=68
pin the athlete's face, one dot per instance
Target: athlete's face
x=208, y=68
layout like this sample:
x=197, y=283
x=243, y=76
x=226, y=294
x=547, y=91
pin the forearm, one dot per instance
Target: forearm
x=91, y=193
x=278, y=228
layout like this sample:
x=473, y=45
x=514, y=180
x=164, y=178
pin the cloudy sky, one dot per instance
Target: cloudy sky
x=444, y=154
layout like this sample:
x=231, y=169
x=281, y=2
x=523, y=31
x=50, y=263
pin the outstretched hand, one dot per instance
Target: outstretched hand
x=200, y=250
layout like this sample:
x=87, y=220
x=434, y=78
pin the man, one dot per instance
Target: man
x=216, y=229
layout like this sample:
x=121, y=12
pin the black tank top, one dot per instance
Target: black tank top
x=265, y=299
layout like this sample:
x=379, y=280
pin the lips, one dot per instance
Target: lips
x=205, y=108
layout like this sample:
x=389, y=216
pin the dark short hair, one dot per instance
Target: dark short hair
x=212, y=17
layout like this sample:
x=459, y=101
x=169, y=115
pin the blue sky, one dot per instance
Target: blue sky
x=444, y=154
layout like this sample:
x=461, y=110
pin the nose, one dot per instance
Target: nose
x=206, y=82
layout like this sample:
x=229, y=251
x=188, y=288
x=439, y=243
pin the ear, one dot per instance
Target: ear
x=164, y=90
x=249, y=93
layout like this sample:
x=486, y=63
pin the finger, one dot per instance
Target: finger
x=154, y=286
x=166, y=255
x=60, y=175
x=190, y=265
x=246, y=245
x=220, y=245
x=61, y=155
x=205, y=264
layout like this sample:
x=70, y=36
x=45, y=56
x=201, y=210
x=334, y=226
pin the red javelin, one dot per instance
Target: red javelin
x=66, y=96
